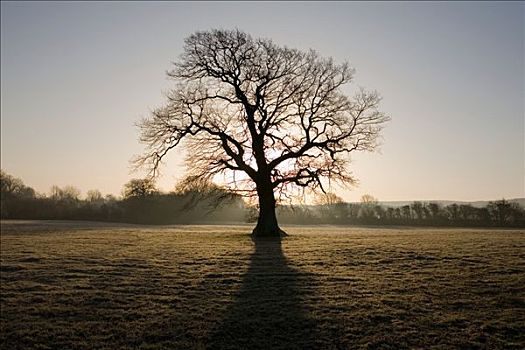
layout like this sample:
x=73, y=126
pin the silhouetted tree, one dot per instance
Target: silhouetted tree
x=200, y=194
x=452, y=212
x=199, y=191
x=269, y=119
x=406, y=213
x=379, y=212
x=435, y=212
x=12, y=187
x=352, y=211
x=332, y=207
x=66, y=194
x=139, y=188
x=368, y=208
x=390, y=214
x=64, y=202
x=13, y=194
x=95, y=197
x=417, y=208
x=483, y=216
x=504, y=212
x=467, y=213
x=368, y=199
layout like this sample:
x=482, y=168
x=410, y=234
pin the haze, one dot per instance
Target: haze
x=76, y=77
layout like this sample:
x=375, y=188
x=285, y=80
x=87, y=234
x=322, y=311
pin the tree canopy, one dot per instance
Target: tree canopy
x=270, y=120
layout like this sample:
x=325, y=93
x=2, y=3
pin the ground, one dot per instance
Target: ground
x=99, y=286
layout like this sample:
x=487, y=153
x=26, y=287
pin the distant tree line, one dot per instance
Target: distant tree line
x=141, y=202
x=197, y=201
x=331, y=209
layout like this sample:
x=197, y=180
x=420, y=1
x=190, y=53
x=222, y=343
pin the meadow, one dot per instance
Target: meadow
x=79, y=285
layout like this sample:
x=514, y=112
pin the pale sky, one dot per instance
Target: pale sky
x=77, y=76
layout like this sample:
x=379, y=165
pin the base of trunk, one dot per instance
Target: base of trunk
x=276, y=232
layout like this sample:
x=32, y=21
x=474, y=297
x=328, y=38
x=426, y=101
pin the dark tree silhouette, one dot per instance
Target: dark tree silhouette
x=271, y=120
x=13, y=187
x=139, y=188
x=503, y=211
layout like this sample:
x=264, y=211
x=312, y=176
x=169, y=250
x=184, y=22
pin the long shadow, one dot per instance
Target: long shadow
x=268, y=312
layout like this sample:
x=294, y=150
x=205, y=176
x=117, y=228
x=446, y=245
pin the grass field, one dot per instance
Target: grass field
x=96, y=286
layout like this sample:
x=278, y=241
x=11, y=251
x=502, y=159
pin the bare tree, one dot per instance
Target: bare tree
x=368, y=199
x=368, y=206
x=328, y=199
x=331, y=206
x=139, y=188
x=95, y=198
x=269, y=119
x=13, y=187
x=503, y=211
x=67, y=193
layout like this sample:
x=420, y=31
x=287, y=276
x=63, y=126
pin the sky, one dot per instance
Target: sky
x=76, y=77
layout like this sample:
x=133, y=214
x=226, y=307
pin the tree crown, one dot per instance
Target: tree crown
x=253, y=111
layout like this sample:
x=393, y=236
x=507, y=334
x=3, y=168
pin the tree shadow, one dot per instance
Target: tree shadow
x=268, y=312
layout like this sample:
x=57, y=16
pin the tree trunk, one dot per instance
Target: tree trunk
x=267, y=222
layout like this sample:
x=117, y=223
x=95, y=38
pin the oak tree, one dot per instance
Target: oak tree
x=269, y=119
